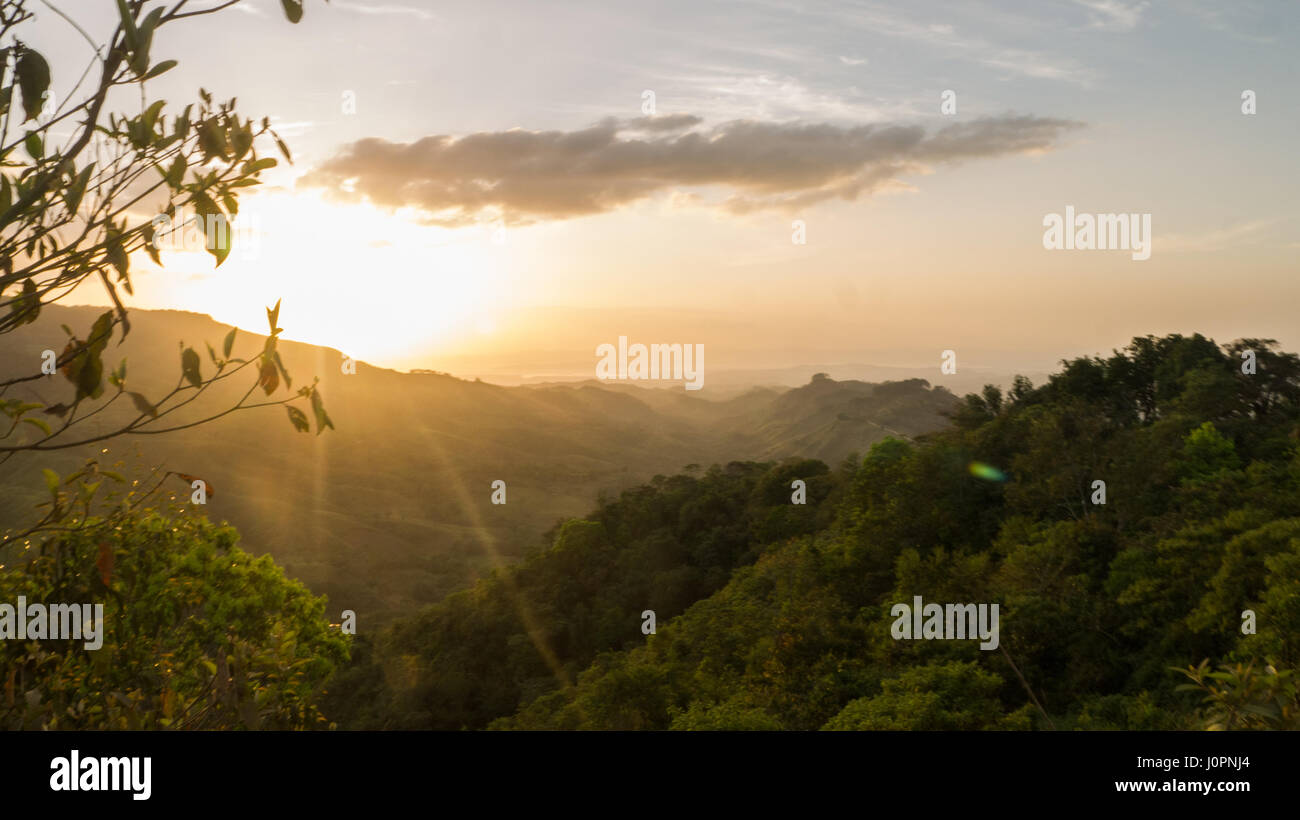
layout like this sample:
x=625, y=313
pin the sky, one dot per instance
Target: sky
x=487, y=185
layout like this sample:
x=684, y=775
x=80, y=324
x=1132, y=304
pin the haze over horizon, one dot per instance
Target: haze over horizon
x=483, y=181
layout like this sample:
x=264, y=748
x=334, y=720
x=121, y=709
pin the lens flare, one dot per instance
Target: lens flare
x=986, y=471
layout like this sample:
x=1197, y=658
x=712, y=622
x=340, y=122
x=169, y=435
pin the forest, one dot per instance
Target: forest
x=1175, y=604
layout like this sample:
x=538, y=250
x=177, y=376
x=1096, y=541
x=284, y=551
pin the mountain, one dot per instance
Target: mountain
x=1127, y=527
x=392, y=509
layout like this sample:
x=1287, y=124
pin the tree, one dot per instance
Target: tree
x=196, y=634
x=69, y=214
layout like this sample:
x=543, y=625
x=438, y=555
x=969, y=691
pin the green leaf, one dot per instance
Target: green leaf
x=44, y=428
x=241, y=139
x=160, y=68
x=101, y=332
x=216, y=228
x=34, y=80
x=32, y=142
x=51, y=481
x=77, y=189
x=272, y=316
x=288, y=383
x=299, y=419
x=140, y=61
x=118, y=377
x=284, y=149
x=190, y=366
x=116, y=252
x=90, y=374
x=150, y=116
x=147, y=230
x=229, y=343
x=254, y=166
x=176, y=173
x=131, y=35
x=292, y=9
x=27, y=305
x=318, y=408
x=212, y=140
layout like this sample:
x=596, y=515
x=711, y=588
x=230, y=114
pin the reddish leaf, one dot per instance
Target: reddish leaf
x=268, y=378
x=105, y=562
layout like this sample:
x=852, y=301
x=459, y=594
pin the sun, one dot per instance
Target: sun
x=378, y=286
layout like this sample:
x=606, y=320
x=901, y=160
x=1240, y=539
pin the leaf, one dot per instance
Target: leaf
x=272, y=316
x=40, y=424
x=164, y=66
x=299, y=419
x=118, y=377
x=212, y=140
x=176, y=173
x=229, y=343
x=241, y=139
x=292, y=9
x=105, y=562
x=150, y=247
x=130, y=35
x=34, y=80
x=190, y=367
x=77, y=189
x=150, y=116
x=59, y=409
x=256, y=166
x=267, y=376
x=116, y=252
x=32, y=142
x=27, y=305
x=284, y=149
x=142, y=404
x=284, y=374
x=140, y=60
x=217, y=231
x=51, y=481
x=318, y=408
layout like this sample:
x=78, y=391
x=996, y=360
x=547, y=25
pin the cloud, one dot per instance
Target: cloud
x=1115, y=15
x=531, y=176
x=360, y=8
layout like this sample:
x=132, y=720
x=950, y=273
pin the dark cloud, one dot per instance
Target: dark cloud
x=531, y=176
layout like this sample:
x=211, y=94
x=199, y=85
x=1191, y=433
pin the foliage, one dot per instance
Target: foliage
x=197, y=633
x=73, y=177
